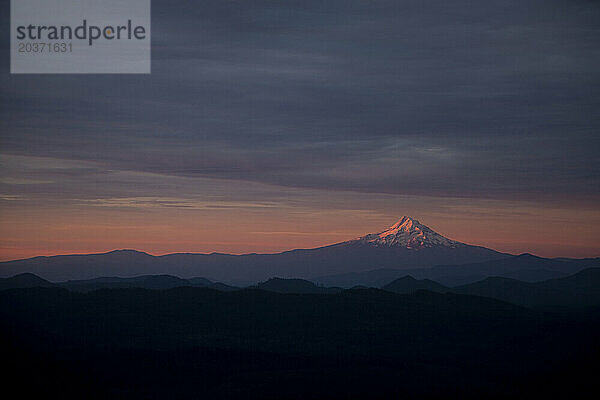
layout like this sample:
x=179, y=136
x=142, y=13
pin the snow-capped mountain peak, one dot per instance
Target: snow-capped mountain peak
x=409, y=233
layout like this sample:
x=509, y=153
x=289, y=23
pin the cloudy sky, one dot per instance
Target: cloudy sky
x=270, y=125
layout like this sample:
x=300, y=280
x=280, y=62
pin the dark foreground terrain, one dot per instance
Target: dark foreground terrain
x=366, y=343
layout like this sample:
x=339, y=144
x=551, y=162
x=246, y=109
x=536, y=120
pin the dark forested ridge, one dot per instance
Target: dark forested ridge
x=167, y=337
x=192, y=342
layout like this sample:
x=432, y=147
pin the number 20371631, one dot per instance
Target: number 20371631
x=41, y=47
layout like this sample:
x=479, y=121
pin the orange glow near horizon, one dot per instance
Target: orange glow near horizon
x=34, y=232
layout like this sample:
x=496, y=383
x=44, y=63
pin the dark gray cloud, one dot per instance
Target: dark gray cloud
x=477, y=99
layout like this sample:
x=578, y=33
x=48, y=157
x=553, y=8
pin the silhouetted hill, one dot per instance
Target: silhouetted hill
x=579, y=290
x=371, y=278
x=161, y=282
x=25, y=280
x=586, y=280
x=408, y=284
x=221, y=287
x=146, y=281
x=200, y=282
x=299, y=286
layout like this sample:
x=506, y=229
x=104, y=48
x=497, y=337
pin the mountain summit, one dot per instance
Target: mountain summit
x=405, y=244
x=408, y=233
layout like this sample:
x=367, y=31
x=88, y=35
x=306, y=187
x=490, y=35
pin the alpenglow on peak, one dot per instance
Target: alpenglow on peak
x=409, y=233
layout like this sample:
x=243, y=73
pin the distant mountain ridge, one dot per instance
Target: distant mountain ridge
x=575, y=291
x=524, y=267
x=579, y=290
x=406, y=244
